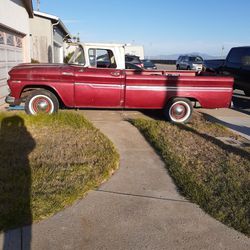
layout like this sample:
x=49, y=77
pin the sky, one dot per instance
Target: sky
x=163, y=27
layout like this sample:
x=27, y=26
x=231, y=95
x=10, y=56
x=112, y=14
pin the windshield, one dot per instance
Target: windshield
x=196, y=59
x=78, y=57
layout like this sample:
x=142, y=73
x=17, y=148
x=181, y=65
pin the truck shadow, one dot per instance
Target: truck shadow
x=16, y=143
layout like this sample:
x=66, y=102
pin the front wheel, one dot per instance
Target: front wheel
x=41, y=101
x=178, y=110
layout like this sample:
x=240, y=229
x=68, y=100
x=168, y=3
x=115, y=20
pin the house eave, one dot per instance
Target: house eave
x=29, y=7
x=54, y=20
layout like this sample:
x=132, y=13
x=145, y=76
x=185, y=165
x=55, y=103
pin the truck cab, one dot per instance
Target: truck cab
x=237, y=65
x=99, y=55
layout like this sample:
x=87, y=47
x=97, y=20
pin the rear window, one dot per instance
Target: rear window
x=195, y=59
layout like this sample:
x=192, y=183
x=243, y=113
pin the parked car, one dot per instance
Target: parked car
x=237, y=64
x=134, y=60
x=189, y=62
x=147, y=64
x=44, y=88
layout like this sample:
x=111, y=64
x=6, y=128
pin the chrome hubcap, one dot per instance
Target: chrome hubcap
x=178, y=110
x=42, y=105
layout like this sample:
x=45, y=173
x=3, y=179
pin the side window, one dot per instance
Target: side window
x=185, y=59
x=235, y=55
x=102, y=58
x=245, y=59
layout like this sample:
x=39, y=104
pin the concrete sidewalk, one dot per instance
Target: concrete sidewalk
x=138, y=208
x=235, y=120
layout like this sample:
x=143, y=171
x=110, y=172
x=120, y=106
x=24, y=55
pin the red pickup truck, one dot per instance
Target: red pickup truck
x=96, y=77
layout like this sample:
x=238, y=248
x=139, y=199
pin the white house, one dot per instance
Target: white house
x=14, y=37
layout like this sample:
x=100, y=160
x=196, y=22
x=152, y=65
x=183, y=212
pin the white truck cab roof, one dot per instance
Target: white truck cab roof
x=92, y=51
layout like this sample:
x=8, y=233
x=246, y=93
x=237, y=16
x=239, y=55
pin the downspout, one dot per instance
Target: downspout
x=52, y=39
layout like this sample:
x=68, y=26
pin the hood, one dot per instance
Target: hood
x=31, y=71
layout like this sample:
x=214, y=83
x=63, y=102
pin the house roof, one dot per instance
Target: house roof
x=54, y=20
x=29, y=7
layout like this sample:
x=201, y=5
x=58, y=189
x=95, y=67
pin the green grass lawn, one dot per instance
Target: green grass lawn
x=214, y=175
x=47, y=163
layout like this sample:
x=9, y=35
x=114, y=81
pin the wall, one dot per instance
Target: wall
x=13, y=19
x=14, y=15
x=41, y=39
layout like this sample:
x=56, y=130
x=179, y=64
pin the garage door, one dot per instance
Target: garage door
x=11, y=54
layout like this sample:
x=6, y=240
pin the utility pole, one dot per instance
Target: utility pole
x=222, y=49
x=38, y=5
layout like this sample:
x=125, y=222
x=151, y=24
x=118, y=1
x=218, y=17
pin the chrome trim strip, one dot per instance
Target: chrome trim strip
x=171, y=89
x=101, y=85
x=154, y=88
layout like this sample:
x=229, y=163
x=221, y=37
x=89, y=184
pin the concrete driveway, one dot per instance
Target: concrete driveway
x=237, y=118
x=138, y=208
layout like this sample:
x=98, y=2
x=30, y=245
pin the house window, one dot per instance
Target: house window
x=1, y=37
x=19, y=42
x=10, y=40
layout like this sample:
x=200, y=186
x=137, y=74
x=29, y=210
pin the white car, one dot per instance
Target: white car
x=189, y=62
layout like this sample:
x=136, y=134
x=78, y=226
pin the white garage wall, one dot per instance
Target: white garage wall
x=14, y=15
x=14, y=20
x=11, y=54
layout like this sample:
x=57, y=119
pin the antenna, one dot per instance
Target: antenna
x=38, y=5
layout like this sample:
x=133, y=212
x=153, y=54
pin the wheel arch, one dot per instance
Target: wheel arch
x=192, y=99
x=28, y=88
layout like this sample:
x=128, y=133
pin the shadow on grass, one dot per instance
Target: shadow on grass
x=241, y=129
x=217, y=142
x=16, y=144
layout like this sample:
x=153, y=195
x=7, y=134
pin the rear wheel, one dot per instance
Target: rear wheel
x=178, y=67
x=41, y=101
x=178, y=110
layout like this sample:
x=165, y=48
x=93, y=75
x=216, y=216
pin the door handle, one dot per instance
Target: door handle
x=115, y=73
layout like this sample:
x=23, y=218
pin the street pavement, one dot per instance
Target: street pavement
x=139, y=207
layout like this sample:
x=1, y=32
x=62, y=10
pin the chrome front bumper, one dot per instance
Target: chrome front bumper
x=12, y=100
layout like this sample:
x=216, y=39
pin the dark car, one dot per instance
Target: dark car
x=213, y=65
x=134, y=60
x=237, y=64
x=147, y=64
